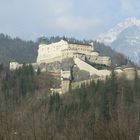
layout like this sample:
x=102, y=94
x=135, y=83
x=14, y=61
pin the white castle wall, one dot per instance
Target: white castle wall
x=83, y=49
x=129, y=73
x=68, y=53
x=138, y=72
x=93, y=71
x=119, y=72
x=51, y=51
x=84, y=66
x=65, y=85
x=105, y=60
x=50, y=60
x=15, y=65
x=60, y=50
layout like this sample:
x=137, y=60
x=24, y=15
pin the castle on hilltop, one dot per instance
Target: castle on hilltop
x=64, y=49
x=72, y=59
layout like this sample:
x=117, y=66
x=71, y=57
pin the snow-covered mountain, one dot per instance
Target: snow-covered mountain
x=110, y=36
x=124, y=38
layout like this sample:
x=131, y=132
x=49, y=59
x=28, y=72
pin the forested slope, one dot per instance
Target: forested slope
x=15, y=49
x=99, y=111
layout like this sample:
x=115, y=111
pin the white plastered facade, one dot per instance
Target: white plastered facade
x=60, y=50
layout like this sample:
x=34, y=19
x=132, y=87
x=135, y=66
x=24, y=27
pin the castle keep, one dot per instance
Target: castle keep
x=60, y=50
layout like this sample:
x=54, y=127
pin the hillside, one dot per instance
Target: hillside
x=99, y=111
x=17, y=50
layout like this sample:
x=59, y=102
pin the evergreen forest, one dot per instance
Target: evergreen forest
x=102, y=110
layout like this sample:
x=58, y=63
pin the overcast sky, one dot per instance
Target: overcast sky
x=30, y=19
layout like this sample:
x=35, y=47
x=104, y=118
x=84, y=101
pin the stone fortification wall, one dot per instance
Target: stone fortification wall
x=50, y=60
x=119, y=72
x=94, y=54
x=104, y=60
x=65, y=85
x=129, y=73
x=15, y=65
x=81, y=56
x=138, y=72
x=84, y=66
x=67, y=53
x=61, y=50
x=54, y=50
x=83, y=49
x=93, y=71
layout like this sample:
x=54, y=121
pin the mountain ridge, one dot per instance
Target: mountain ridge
x=128, y=43
x=124, y=38
x=111, y=35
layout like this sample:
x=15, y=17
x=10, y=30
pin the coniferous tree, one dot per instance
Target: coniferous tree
x=136, y=86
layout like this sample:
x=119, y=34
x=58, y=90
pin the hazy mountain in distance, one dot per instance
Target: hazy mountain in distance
x=128, y=43
x=110, y=36
x=124, y=38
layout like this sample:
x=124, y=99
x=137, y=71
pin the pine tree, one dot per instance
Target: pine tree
x=136, y=87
